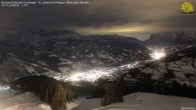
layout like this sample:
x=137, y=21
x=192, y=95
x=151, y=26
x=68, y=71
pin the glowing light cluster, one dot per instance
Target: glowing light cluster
x=91, y=75
x=158, y=54
x=94, y=74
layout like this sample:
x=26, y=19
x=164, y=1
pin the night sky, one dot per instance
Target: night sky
x=122, y=17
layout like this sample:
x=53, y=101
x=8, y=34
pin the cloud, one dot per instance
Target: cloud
x=133, y=15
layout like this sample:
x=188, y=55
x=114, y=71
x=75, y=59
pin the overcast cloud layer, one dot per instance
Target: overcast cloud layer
x=101, y=16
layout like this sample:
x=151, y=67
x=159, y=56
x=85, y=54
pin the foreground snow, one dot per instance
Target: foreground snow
x=75, y=103
x=149, y=101
x=136, y=101
x=89, y=104
x=27, y=101
x=142, y=101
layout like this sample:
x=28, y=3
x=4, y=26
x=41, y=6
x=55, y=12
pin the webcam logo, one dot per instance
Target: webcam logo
x=187, y=8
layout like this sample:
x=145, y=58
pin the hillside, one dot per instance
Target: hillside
x=172, y=75
x=149, y=101
x=41, y=51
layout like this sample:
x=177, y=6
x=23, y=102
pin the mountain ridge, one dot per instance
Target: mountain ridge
x=171, y=38
x=52, y=51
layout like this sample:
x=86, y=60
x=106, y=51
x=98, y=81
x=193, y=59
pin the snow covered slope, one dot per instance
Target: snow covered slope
x=173, y=75
x=135, y=101
x=180, y=66
x=89, y=104
x=149, y=101
x=27, y=101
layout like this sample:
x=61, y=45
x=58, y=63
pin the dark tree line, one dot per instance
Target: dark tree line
x=50, y=91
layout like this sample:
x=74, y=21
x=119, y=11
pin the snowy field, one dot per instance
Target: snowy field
x=148, y=101
x=27, y=101
x=89, y=104
x=142, y=101
x=136, y=101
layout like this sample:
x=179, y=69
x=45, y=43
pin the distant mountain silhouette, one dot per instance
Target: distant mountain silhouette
x=171, y=38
